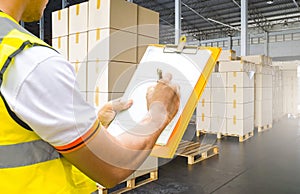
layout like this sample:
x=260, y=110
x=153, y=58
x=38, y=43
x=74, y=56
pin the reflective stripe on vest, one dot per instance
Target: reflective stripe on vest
x=26, y=154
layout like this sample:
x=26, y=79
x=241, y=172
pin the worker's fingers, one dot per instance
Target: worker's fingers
x=119, y=105
x=167, y=77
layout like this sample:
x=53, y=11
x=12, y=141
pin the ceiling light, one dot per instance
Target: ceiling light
x=270, y=2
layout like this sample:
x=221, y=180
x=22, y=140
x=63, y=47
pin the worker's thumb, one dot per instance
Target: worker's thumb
x=119, y=105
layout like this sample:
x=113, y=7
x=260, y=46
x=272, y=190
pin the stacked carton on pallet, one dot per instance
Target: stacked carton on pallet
x=240, y=98
x=230, y=98
x=104, y=41
x=290, y=90
x=263, y=91
x=277, y=94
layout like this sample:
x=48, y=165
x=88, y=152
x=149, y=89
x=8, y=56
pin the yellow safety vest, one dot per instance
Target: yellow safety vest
x=27, y=163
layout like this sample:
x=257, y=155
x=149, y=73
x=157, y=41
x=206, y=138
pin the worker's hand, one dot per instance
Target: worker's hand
x=165, y=94
x=108, y=112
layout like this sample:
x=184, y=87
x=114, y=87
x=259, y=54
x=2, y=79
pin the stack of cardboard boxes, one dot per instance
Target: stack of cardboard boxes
x=263, y=91
x=104, y=41
x=277, y=94
x=290, y=90
x=227, y=105
x=103, y=45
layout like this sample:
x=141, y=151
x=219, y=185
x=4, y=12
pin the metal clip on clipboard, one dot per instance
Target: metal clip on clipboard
x=181, y=47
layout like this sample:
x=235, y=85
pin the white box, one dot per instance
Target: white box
x=229, y=66
x=203, y=123
x=241, y=95
x=218, y=95
x=97, y=99
x=203, y=108
x=218, y=125
x=218, y=80
x=263, y=93
x=81, y=72
x=218, y=110
x=118, y=14
x=264, y=69
x=240, y=111
x=227, y=55
x=110, y=44
x=109, y=76
x=263, y=81
x=258, y=59
x=240, y=80
x=206, y=95
x=263, y=113
x=148, y=22
x=78, y=18
x=61, y=44
x=149, y=165
x=60, y=23
x=78, y=47
x=240, y=126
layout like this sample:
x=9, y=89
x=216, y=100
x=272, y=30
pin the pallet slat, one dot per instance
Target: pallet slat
x=196, y=152
x=131, y=184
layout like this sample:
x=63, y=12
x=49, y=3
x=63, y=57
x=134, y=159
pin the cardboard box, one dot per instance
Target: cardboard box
x=227, y=55
x=81, y=72
x=263, y=81
x=142, y=44
x=258, y=59
x=78, y=50
x=229, y=66
x=263, y=94
x=218, y=125
x=264, y=70
x=241, y=95
x=203, y=108
x=97, y=99
x=110, y=44
x=61, y=44
x=218, y=95
x=240, y=80
x=108, y=76
x=148, y=22
x=239, y=111
x=205, y=96
x=78, y=18
x=60, y=23
x=218, y=80
x=240, y=126
x=218, y=110
x=263, y=112
x=118, y=14
x=203, y=123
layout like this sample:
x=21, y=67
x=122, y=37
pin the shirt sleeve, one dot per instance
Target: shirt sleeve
x=50, y=102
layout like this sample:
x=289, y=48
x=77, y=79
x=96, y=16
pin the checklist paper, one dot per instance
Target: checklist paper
x=189, y=70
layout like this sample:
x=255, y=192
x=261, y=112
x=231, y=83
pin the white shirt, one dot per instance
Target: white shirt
x=41, y=88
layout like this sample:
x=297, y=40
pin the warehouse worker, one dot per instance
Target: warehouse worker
x=51, y=140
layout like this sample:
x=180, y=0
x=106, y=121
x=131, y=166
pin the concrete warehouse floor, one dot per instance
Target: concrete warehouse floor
x=269, y=162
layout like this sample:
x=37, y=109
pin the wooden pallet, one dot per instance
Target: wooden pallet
x=196, y=152
x=131, y=183
x=264, y=128
x=242, y=138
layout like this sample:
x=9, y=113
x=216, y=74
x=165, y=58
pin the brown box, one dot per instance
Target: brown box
x=118, y=14
x=110, y=44
x=108, y=76
x=148, y=22
x=142, y=44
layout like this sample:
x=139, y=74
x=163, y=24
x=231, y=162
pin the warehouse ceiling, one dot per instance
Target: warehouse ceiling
x=201, y=19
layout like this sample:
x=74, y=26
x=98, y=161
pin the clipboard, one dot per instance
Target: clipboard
x=190, y=68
